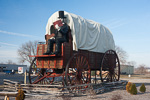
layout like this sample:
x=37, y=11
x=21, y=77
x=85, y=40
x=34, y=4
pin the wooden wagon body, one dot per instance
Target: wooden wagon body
x=60, y=62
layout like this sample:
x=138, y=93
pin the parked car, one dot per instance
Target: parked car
x=9, y=72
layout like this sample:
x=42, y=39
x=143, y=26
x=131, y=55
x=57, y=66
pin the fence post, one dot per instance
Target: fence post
x=16, y=86
x=25, y=77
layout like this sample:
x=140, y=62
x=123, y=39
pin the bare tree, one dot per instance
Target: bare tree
x=10, y=62
x=141, y=69
x=131, y=63
x=26, y=49
x=122, y=55
x=1, y=63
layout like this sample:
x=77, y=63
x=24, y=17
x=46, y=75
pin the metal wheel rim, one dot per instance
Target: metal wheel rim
x=77, y=60
x=112, y=74
x=39, y=78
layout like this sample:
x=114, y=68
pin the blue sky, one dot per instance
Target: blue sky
x=25, y=20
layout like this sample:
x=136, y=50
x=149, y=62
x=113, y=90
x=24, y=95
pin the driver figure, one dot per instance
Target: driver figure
x=60, y=29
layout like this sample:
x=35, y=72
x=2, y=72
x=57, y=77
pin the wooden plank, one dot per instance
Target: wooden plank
x=38, y=85
x=10, y=89
x=10, y=86
x=5, y=80
x=79, y=85
x=117, y=82
x=6, y=83
x=12, y=94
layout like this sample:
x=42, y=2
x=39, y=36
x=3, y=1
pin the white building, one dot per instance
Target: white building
x=126, y=69
x=148, y=70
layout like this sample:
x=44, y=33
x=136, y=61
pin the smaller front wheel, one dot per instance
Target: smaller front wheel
x=39, y=75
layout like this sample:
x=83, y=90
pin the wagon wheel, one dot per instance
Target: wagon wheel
x=39, y=75
x=77, y=71
x=110, y=67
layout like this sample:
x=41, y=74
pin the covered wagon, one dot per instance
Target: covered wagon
x=90, y=49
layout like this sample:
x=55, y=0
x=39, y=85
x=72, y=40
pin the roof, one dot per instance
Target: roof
x=11, y=66
x=126, y=66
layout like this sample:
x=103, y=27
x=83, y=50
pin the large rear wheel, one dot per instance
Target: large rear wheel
x=77, y=71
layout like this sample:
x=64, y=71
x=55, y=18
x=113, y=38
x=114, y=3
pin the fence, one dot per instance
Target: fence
x=57, y=90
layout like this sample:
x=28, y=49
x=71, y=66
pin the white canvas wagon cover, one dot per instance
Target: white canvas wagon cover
x=87, y=34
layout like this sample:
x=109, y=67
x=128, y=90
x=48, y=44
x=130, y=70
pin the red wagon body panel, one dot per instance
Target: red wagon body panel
x=53, y=61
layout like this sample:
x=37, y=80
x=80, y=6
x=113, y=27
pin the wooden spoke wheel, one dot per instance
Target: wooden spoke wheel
x=77, y=71
x=39, y=75
x=110, y=67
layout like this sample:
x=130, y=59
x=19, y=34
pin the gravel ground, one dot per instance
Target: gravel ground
x=111, y=95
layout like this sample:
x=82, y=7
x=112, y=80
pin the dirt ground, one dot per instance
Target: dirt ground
x=115, y=94
x=118, y=94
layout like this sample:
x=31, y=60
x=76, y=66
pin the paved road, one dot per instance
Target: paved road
x=13, y=77
x=19, y=78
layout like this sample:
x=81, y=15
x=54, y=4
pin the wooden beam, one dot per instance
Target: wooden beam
x=12, y=94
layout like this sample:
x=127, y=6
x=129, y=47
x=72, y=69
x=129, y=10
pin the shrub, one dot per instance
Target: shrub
x=133, y=89
x=20, y=95
x=128, y=86
x=142, y=88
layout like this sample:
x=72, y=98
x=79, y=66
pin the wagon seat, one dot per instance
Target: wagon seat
x=66, y=46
